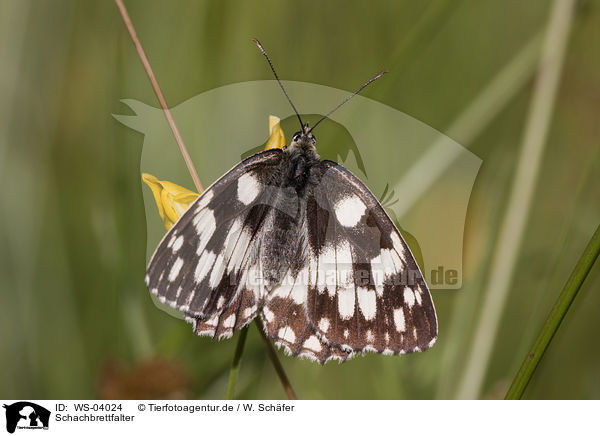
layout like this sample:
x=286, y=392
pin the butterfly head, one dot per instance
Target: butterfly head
x=304, y=138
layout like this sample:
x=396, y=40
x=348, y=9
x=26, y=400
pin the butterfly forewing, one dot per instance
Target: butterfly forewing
x=204, y=264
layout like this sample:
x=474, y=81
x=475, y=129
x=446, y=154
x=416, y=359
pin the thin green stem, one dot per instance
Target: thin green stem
x=557, y=314
x=235, y=365
x=287, y=387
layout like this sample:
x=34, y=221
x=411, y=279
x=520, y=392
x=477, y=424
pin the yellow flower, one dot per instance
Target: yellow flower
x=277, y=138
x=173, y=200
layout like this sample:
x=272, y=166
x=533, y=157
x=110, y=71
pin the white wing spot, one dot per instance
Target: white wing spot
x=237, y=256
x=299, y=292
x=346, y=302
x=324, y=325
x=418, y=296
x=296, y=289
x=313, y=344
x=387, y=337
x=269, y=315
x=235, y=246
x=377, y=271
x=248, y=312
x=283, y=290
x=367, y=301
x=399, y=320
x=203, y=267
x=343, y=265
x=326, y=262
x=248, y=188
x=387, y=261
x=205, y=225
x=396, y=240
x=409, y=297
x=287, y=334
x=205, y=199
x=217, y=272
x=220, y=302
x=299, y=287
x=398, y=264
x=178, y=243
x=254, y=279
x=212, y=321
x=398, y=245
x=349, y=210
x=175, y=269
x=208, y=332
x=232, y=237
x=229, y=321
x=370, y=337
x=346, y=333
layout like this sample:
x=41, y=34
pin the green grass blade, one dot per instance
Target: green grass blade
x=235, y=365
x=555, y=318
x=520, y=200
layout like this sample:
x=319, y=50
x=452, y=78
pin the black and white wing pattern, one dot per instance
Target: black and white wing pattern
x=284, y=315
x=375, y=297
x=317, y=258
x=205, y=265
x=360, y=288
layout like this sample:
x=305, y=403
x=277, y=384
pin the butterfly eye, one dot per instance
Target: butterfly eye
x=296, y=136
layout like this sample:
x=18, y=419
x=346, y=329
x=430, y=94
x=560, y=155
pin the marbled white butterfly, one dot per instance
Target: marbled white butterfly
x=302, y=243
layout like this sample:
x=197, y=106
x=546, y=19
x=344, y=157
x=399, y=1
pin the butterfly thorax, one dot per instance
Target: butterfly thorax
x=285, y=238
x=300, y=159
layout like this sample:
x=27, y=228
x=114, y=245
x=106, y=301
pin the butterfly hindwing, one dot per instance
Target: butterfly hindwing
x=365, y=290
x=286, y=322
x=203, y=265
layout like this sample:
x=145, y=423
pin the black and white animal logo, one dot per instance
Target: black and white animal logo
x=303, y=244
x=26, y=415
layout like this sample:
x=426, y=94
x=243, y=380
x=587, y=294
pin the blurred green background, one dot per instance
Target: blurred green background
x=76, y=320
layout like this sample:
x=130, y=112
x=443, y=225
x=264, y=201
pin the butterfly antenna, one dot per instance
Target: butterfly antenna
x=257, y=42
x=348, y=98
